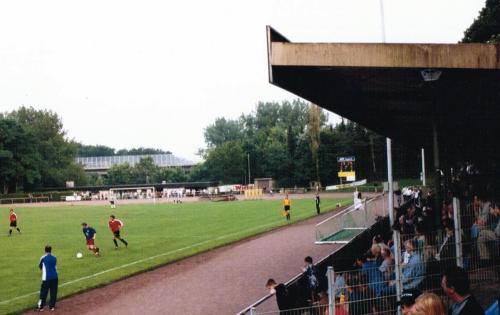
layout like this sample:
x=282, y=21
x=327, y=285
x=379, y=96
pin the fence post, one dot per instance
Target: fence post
x=458, y=232
x=331, y=290
x=395, y=234
x=253, y=311
x=366, y=214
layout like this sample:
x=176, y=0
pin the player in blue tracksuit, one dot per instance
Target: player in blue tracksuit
x=49, y=279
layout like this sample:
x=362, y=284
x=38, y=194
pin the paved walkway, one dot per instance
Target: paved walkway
x=222, y=281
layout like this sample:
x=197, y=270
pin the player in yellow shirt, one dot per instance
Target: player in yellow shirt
x=287, y=204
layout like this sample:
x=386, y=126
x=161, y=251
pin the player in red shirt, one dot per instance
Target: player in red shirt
x=13, y=222
x=115, y=226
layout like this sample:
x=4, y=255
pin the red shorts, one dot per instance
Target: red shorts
x=90, y=242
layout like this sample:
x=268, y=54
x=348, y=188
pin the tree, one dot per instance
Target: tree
x=226, y=163
x=145, y=171
x=49, y=140
x=486, y=27
x=94, y=150
x=120, y=174
x=20, y=163
x=315, y=134
x=223, y=131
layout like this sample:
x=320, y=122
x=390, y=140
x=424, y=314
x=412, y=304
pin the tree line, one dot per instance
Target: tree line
x=293, y=143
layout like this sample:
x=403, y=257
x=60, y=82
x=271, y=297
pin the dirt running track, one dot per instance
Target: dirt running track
x=222, y=281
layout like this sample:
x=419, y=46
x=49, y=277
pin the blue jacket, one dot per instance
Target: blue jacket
x=375, y=277
x=48, y=266
x=413, y=272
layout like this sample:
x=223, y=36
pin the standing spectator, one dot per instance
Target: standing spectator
x=49, y=279
x=282, y=298
x=428, y=304
x=456, y=286
x=387, y=266
x=317, y=201
x=407, y=301
x=361, y=297
x=446, y=250
x=312, y=280
x=375, y=277
x=414, y=270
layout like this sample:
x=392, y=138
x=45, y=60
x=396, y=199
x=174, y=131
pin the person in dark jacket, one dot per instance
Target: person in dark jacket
x=456, y=286
x=317, y=201
x=282, y=297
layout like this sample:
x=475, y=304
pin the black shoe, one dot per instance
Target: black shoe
x=38, y=310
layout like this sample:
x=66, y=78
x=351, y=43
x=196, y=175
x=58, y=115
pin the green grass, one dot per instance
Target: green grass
x=157, y=234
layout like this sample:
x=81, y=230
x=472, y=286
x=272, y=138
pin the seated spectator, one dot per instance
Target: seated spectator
x=420, y=236
x=481, y=212
x=428, y=304
x=282, y=297
x=488, y=234
x=413, y=271
x=407, y=301
x=455, y=284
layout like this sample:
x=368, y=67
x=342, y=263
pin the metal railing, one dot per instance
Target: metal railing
x=469, y=238
x=24, y=200
x=345, y=225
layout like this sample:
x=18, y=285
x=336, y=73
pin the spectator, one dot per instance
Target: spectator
x=413, y=271
x=407, y=301
x=371, y=269
x=375, y=251
x=387, y=266
x=360, y=296
x=455, y=284
x=282, y=297
x=339, y=284
x=446, y=250
x=428, y=304
x=312, y=280
x=488, y=234
x=317, y=201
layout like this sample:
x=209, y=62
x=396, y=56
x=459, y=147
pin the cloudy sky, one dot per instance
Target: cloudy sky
x=155, y=73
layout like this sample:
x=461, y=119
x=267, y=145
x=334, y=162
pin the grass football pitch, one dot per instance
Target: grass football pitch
x=157, y=234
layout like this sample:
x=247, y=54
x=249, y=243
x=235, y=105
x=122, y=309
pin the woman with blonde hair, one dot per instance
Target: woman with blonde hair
x=428, y=304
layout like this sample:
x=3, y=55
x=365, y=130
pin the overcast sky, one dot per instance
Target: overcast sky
x=155, y=73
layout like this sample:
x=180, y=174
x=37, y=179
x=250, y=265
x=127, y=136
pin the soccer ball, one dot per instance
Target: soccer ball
x=79, y=255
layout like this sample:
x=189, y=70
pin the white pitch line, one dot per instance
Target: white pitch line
x=140, y=261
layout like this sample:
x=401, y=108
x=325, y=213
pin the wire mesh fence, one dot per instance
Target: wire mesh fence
x=468, y=236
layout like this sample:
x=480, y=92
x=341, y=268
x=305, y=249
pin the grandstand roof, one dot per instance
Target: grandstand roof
x=91, y=163
x=381, y=86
